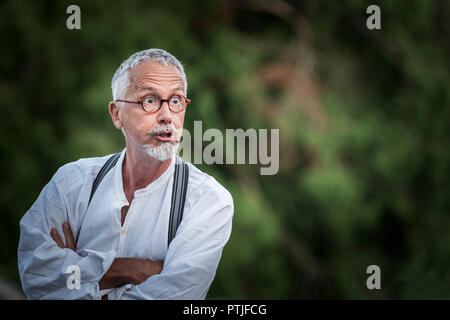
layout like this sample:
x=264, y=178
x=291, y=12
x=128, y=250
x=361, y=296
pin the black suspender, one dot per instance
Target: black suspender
x=179, y=188
x=180, y=181
x=111, y=162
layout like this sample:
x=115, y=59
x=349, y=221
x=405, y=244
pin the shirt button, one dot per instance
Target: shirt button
x=123, y=231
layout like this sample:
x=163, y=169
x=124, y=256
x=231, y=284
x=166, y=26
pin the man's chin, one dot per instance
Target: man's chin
x=162, y=152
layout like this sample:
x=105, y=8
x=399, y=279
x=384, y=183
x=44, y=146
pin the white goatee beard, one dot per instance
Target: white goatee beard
x=164, y=151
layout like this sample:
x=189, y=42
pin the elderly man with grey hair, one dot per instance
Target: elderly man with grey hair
x=139, y=224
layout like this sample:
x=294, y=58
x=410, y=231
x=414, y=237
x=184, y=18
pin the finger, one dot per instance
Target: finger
x=70, y=242
x=56, y=237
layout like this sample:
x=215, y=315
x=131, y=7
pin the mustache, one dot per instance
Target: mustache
x=165, y=128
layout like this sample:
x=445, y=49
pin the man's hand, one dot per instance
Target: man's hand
x=129, y=270
x=70, y=242
x=121, y=271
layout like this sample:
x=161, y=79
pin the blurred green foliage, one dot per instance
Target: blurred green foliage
x=363, y=118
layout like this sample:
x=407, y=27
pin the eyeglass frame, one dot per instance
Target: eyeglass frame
x=161, y=101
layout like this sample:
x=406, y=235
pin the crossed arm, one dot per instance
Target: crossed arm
x=121, y=271
x=190, y=262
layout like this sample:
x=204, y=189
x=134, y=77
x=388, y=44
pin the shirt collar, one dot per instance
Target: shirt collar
x=154, y=185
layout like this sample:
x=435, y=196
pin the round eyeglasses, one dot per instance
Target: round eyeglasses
x=152, y=104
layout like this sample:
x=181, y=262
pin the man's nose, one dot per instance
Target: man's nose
x=164, y=113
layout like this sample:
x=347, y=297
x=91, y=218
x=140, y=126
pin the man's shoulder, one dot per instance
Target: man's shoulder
x=203, y=184
x=79, y=170
x=85, y=164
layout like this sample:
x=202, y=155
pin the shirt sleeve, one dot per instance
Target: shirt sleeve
x=43, y=266
x=193, y=255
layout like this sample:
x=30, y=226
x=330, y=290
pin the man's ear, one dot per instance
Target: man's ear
x=114, y=112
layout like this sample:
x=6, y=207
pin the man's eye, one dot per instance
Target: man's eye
x=175, y=100
x=150, y=100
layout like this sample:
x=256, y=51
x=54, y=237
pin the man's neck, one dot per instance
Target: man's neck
x=139, y=170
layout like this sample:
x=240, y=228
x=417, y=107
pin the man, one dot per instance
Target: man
x=120, y=245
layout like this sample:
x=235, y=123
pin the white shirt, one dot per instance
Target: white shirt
x=190, y=262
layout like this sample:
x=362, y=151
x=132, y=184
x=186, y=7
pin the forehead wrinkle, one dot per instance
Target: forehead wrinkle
x=142, y=86
x=156, y=77
x=166, y=72
x=146, y=88
x=151, y=85
x=143, y=80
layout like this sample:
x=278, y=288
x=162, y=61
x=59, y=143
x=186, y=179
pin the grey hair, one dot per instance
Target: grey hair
x=121, y=80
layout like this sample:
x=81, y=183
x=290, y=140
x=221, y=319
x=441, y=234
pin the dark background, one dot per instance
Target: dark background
x=363, y=118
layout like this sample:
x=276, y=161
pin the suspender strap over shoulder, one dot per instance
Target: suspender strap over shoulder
x=179, y=189
x=180, y=181
x=111, y=162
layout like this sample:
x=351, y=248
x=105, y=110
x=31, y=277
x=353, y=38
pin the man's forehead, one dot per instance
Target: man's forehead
x=152, y=74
